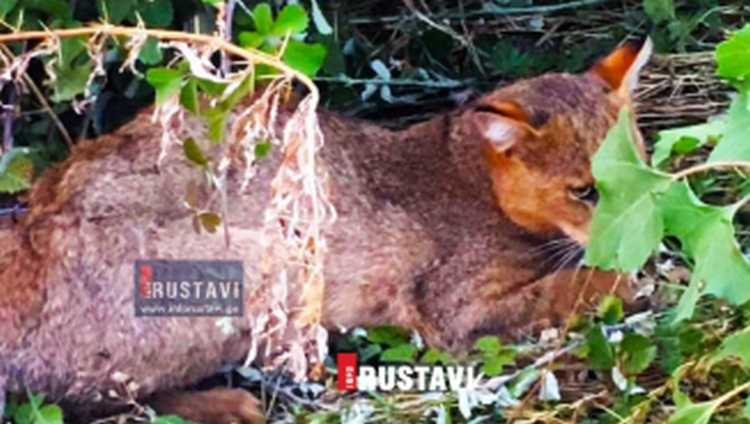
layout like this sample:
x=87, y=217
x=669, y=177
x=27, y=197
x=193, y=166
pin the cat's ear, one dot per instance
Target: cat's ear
x=502, y=124
x=621, y=68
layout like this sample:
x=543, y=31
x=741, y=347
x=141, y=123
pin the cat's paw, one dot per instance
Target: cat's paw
x=215, y=406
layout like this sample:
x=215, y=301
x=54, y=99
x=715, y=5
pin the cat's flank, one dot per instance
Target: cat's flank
x=449, y=227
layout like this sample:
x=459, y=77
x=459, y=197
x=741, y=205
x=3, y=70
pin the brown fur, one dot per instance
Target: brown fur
x=441, y=228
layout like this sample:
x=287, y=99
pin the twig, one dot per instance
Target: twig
x=343, y=79
x=42, y=101
x=708, y=167
x=488, y=11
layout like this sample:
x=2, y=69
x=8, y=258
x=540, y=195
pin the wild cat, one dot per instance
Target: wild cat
x=442, y=228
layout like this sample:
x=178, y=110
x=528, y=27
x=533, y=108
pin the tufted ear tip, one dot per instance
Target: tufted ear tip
x=620, y=70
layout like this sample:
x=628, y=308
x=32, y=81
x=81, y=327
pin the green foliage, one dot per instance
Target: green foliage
x=16, y=169
x=34, y=411
x=269, y=35
x=627, y=225
x=494, y=355
x=659, y=10
x=733, y=56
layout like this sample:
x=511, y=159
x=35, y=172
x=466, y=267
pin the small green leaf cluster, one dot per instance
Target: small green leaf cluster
x=284, y=35
x=33, y=411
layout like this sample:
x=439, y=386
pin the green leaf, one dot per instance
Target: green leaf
x=262, y=18
x=156, y=13
x=114, y=11
x=49, y=414
x=189, y=97
x=610, y=309
x=737, y=345
x=250, y=39
x=216, y=119
x=169, y=419
x=6, y=6
x=262, y=149
x=401, y=353
x=493, y=365
x=659, y=10
x=306, y=58
x=489, y=345
x=434, y=356
x=16, y=170
x=210, y=221
x=291, y=20
x=746, y=409
x=194, y=153
x=734, y=145
x=388, y=335
x=708, y=236
x=600, y=352
x=167, y=82
x=71, y=82
x=733, y=55
x=150, y=53
x=214, y=3
x=627, y=225
x=638, y=353
x=686, y=139
x=694, y=413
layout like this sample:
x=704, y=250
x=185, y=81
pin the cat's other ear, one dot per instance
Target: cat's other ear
x=501, y=124
x=621, y=68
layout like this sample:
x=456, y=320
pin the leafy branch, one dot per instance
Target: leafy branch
x=254, y=57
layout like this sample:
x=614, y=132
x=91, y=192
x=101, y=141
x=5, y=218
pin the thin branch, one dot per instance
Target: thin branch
x=43, y=102
x=343, y=79
x=488, y=11
x=708, y=167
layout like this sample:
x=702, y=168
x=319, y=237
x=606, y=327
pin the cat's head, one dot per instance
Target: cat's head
x=539, y=136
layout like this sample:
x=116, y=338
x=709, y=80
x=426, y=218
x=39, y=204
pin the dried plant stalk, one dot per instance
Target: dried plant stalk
x=299, y=209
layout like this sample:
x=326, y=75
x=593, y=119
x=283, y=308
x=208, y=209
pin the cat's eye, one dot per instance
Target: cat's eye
x=586, y=194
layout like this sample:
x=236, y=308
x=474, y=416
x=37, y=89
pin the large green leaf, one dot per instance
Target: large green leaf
x=306, y=58
x=627, y=225
x=262, y=18
x=734, y=144
x=708, y=236
x=733, y=55
x=292, y=19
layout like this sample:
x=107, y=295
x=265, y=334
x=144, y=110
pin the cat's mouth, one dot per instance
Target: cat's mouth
x=578, y=233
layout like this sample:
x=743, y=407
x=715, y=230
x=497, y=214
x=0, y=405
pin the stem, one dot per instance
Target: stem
x=734, y=392
x=708, y=167
x=489, y=11
x=251, y=56
x=394, y=82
